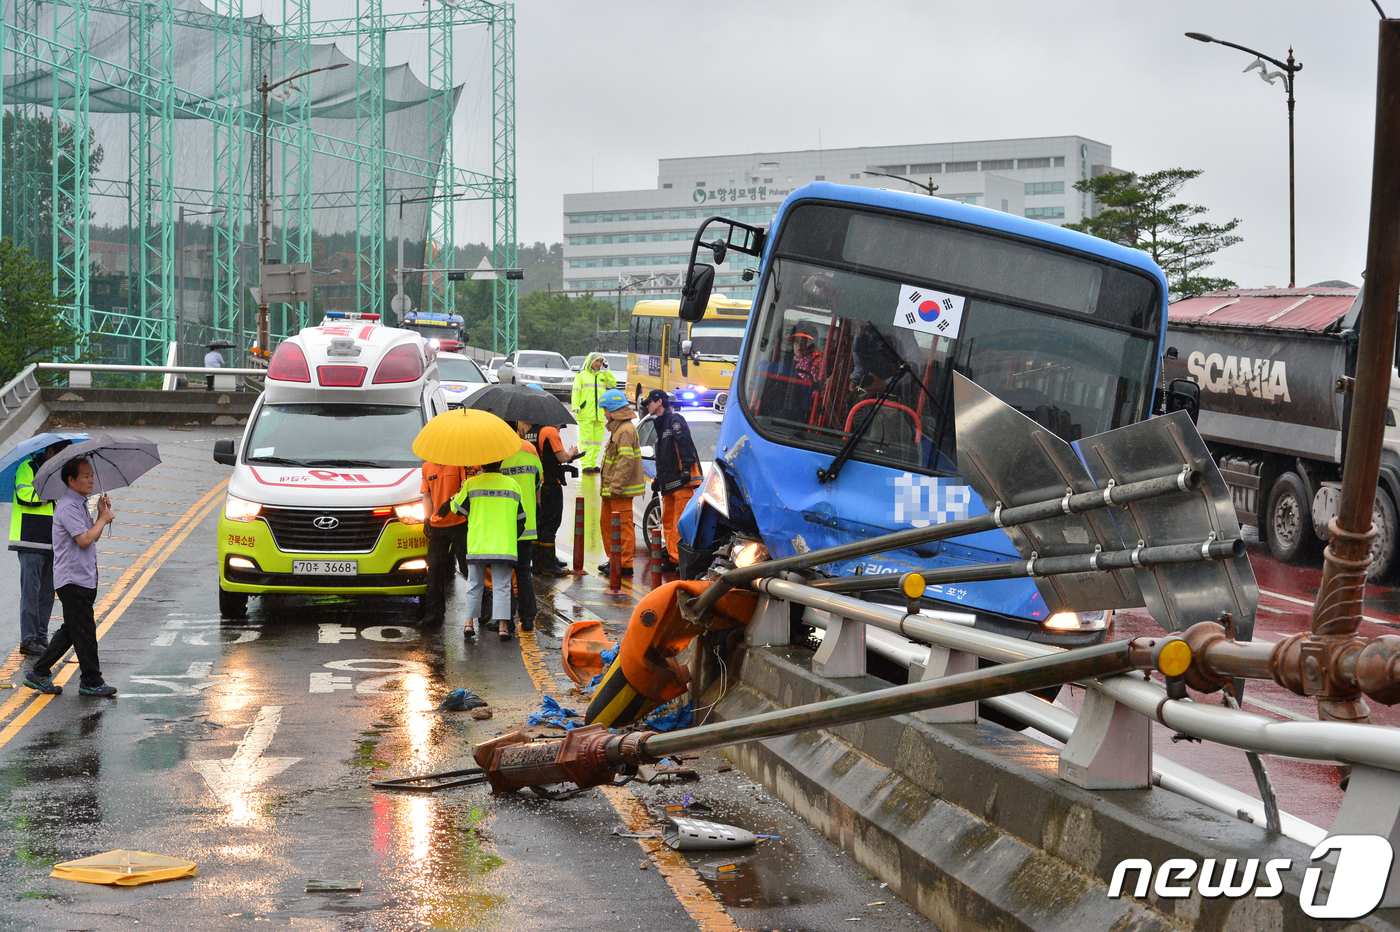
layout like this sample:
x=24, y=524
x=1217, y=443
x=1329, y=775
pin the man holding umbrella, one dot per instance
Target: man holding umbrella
x=31, y=537
x=213, y=360
x=75, y=577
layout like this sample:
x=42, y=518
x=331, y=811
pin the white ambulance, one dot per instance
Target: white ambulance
x=324, y=496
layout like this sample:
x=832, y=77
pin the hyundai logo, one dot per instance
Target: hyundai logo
x=327, y=523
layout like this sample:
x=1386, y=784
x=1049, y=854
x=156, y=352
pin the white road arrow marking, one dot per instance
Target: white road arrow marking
x=198, y=670
x=229, y=779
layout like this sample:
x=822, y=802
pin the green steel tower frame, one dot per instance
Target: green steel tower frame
x=243, y=51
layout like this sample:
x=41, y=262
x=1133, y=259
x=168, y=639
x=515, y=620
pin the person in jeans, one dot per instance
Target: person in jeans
x=31, y=537
x=495, y=521
x=75, y=578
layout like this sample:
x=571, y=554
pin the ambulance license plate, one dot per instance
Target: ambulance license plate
x=325, y=568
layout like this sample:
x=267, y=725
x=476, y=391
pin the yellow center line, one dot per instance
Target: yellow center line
x=689, y=888
x=139, y=573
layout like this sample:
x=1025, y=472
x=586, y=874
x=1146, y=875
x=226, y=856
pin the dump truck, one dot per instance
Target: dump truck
x=1275, y=369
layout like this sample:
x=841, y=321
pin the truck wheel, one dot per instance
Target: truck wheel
x=1289, y=520
x=233, y=604
x=1383, y=548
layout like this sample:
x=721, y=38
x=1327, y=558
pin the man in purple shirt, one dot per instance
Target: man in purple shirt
x=75, y=580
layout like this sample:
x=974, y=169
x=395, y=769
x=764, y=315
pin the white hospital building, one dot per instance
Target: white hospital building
x=643, y=237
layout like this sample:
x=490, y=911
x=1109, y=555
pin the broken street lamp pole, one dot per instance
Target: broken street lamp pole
x=592, y=755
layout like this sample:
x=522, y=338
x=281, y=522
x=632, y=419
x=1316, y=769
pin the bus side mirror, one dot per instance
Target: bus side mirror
x=1183, y=395
x=224, y=453
x=686, y=347
x=721, y=401
x=695, y=296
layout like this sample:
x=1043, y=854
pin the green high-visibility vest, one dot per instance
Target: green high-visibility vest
x=495, y=517
x=31, y=518
x=524, y=467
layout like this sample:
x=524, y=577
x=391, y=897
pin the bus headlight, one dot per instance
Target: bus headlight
x=749, y=552
x=412, y=513
x=236, y=509
x=1078, y=621
x=714, y=492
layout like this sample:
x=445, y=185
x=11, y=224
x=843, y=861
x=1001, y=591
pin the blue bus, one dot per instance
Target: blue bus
x=446, y=329
x=838, y=426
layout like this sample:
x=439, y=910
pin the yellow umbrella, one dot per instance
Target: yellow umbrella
x=464, y=437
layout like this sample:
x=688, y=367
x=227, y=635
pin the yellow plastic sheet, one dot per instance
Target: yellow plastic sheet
x=124, y=868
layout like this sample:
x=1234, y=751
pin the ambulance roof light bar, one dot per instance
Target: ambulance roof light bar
x=350, y=315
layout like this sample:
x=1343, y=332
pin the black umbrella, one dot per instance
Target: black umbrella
x=117, y=462
x=222, y=344
x=522, y=403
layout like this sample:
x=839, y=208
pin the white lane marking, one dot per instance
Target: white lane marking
x=1296, y=601
x=390, y=633
x=229, y=779
x=1276, y=709
x=375, y=665
x=328, y=682
x=334, y=634
x=199, y=630
x=199, y=670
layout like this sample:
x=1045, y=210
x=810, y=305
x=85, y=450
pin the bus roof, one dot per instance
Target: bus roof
x=944, y=209
x=720, y=306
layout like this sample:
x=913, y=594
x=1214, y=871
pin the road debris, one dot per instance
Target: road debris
x=432, y=782
x=698, y=835
x=334, y=886
x=722, y=871
x=652, y=775
x=460, y=700
x=481, y=715
x=124, y=868
x=554, y=715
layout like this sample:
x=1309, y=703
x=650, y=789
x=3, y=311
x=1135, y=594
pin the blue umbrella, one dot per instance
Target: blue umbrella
x=9, y=463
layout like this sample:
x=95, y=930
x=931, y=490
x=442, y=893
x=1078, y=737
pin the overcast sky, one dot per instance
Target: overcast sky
x=604, y=89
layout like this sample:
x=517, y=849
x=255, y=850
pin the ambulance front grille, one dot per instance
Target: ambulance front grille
x=296, y=530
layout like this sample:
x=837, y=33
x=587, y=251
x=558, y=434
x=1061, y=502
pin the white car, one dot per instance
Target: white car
x=549, y=371
x=704, y=430
x=493, y=368
x=461, y=378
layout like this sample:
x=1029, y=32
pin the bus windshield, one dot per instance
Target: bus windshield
x=718, y=338
x=867, y=316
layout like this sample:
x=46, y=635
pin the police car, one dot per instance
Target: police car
x=324, y=496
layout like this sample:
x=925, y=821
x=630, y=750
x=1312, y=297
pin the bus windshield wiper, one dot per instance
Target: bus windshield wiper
x=849, y=448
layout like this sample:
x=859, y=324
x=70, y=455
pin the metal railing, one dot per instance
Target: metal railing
x=899, y=637
x=80, y=373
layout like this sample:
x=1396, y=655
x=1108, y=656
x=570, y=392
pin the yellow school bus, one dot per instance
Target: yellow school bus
x=693, y=362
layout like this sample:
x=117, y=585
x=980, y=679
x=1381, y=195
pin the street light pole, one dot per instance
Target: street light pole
x=1290, y=70
x=265, y=206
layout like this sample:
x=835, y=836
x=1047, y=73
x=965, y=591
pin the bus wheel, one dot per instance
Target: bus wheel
x=233, y=604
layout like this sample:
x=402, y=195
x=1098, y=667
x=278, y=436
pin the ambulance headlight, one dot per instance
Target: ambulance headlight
x=411, y=513
x=236, y=509
x=1078, y=621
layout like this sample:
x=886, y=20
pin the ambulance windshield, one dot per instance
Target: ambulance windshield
x=335, y=435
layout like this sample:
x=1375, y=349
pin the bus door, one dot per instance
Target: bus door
x=667, y=376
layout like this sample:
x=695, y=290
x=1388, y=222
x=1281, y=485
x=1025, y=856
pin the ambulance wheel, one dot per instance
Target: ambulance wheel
x=1288, y=519
x=233, y=604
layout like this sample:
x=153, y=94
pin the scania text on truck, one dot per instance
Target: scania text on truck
x=324, y=496
x=872, y=299
x=1274, y=369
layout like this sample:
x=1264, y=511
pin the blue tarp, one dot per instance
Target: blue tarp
x=607, y=655
x=554, y=715
x=669, y=717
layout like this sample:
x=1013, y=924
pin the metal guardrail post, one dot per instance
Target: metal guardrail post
x=842, y=653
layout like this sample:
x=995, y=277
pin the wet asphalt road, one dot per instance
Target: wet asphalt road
x=249, y=748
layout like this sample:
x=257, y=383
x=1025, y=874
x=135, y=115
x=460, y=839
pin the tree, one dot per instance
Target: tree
x=31, y=318
x=1141, y=211
x=29, y=153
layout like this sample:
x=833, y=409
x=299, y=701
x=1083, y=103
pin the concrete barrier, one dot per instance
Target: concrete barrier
x=971, y=825
x=134, y=407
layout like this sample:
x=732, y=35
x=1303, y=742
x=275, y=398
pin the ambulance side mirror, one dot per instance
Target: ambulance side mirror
x=226, y=452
